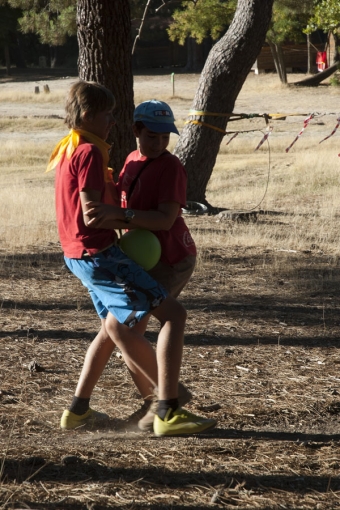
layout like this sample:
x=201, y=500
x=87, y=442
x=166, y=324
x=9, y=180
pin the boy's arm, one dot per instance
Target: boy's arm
x=108, y=216
x=161, y=219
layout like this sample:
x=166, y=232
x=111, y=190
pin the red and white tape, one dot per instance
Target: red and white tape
x=332, y=133
x=270, y=129
x=305, y=124
x=232, y=138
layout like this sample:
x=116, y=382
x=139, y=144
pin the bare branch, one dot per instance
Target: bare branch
x=141, y=26
x=167, y=3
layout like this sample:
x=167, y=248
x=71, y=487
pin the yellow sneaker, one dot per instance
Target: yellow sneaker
x=71, y=421
x=145, y=424
x=181, y=423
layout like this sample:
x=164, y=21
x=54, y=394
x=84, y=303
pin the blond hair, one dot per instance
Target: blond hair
x=86, y=96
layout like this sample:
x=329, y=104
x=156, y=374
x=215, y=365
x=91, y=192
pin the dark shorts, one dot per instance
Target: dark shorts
x=118, y=285
x=174, y=278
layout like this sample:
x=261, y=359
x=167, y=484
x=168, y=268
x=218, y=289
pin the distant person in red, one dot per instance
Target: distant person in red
x=321, y=60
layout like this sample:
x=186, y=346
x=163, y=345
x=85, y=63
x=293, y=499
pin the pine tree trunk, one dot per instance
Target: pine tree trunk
x=104, y=39
x=226, y=69
x=7, y=60
x=309, y=56
x=195, y=56
x=280, y=66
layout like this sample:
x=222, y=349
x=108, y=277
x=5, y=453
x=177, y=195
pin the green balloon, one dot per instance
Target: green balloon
x=142, y=246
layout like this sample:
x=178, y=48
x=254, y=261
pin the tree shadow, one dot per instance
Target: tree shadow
x=74, y=469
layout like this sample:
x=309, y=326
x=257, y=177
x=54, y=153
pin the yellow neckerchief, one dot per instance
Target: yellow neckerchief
x=69, y=144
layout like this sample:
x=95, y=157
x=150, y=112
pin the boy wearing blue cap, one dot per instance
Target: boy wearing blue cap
x=153, y=180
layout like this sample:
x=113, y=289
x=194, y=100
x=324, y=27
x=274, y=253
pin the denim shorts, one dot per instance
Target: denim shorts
x=117, y=285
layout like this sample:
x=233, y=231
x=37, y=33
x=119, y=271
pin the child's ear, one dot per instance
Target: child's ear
x=87, y=116
x=135, y=130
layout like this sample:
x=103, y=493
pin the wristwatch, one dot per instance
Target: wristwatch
x=129, y=215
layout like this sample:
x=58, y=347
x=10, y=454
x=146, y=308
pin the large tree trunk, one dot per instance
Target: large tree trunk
x=226, y=69
x=104, y=39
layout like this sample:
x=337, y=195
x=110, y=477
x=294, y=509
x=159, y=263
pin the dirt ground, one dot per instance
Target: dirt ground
x=261, y=356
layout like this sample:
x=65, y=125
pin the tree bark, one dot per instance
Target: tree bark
x=226, y=69
x=336, y=46
x=104, y=39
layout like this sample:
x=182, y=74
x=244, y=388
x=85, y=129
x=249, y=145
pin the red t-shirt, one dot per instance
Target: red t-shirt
x=83, y=170
x=164, y=179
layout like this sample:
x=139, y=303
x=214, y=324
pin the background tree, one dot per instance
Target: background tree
x=212, y=17
x=196, y=24
x=326, y=17
x=202, y=19
x=105, y=44
x=51, y=20
x=8, y=31
x=226, y=69
x=287, y=24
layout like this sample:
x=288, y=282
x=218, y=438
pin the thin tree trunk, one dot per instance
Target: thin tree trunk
x=7, y=60
x=226, y=69
x=282, y=65
x=104, y=39
x=195, y=56
x=309, y=58
x=336, y=46
x=277, y=54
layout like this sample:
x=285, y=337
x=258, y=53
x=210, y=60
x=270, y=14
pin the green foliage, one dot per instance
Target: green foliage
x=326, y=16
x=201, y=19
x=289, y=20
x=335, y=80
x=51, y=20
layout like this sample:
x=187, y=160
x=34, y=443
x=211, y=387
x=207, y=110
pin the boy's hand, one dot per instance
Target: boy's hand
x=100, y=213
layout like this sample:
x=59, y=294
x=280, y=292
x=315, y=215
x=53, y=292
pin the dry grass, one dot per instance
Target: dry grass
x=262, y=337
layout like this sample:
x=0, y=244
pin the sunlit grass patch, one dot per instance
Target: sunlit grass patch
x=27, y=156
x=17, y=96
x=29, y=124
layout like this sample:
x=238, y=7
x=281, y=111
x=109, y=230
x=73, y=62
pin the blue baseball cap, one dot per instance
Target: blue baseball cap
x=156, y=116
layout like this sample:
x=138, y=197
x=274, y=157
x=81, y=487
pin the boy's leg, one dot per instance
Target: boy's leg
x=172, y=317
x=137, y=352
x=79, y=413
x=137, y=349
x=97, y=356
x=143, y=383
x=171, y=419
